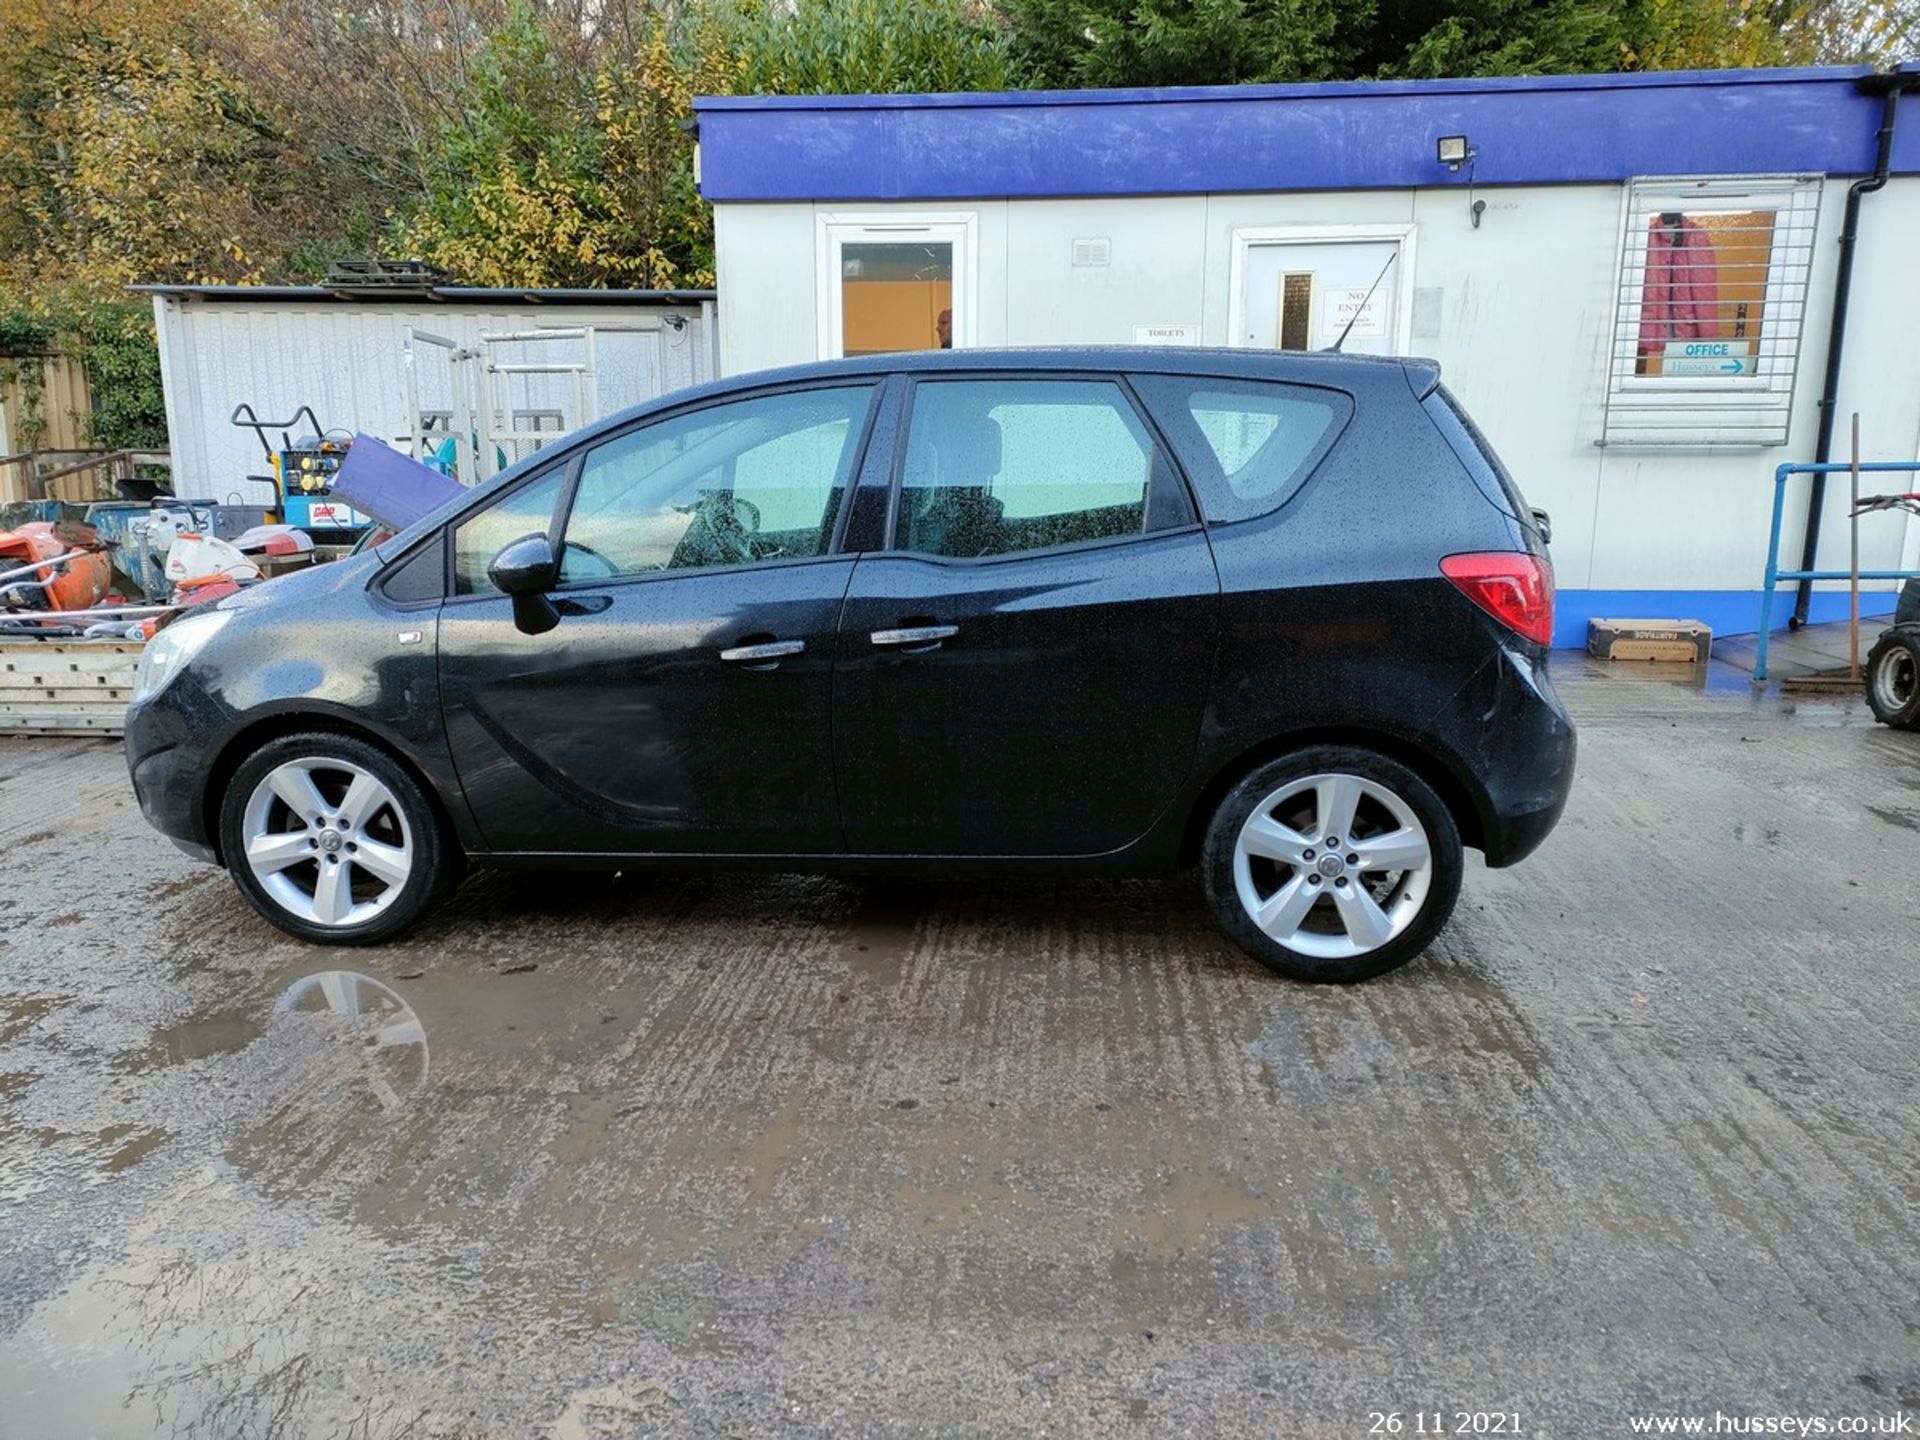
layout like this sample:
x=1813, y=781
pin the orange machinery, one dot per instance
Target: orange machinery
x=49, y=566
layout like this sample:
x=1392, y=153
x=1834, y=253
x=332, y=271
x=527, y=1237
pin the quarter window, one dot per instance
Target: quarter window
x=734, y=484
x=996, y=467
x=1247, y=444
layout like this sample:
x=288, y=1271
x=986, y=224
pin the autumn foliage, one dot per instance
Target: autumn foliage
x=541, y=142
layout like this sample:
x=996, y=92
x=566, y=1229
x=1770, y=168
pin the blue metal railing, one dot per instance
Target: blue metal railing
x=1775, y=574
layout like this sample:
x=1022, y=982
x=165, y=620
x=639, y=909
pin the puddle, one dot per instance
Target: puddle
x=143, y=1144
x=881, y=932
x=20, y=1013
x=252, y=1340
x=219, y=1034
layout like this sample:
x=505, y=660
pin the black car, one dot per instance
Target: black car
x=1087, y=611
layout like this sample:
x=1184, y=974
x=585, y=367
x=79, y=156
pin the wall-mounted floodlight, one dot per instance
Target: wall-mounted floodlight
x=1453, y=151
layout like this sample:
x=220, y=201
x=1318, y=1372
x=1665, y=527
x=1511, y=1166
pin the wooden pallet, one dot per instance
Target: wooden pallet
x=65, y=687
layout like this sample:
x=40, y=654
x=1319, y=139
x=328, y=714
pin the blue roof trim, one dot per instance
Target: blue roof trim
x=1529, y=130
x=976, y=99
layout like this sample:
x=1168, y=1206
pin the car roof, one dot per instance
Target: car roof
x=1305, y=366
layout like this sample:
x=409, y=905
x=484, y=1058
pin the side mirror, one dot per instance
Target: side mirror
x=526, y=570
x=1543, y=522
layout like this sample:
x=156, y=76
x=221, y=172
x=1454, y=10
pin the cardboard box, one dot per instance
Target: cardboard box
x=1680, y=641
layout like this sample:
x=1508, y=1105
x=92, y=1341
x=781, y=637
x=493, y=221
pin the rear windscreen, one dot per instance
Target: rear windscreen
x=1476, y=453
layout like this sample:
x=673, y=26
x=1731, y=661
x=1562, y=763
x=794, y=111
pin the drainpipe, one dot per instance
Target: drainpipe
x=1890, y=88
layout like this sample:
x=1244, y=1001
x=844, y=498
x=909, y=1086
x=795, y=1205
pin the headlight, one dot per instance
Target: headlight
x=169, y=652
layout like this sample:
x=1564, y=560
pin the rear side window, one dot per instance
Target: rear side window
x=997, y=467
x=1247, y=444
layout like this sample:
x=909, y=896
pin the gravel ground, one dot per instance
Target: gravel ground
x=733, y=1155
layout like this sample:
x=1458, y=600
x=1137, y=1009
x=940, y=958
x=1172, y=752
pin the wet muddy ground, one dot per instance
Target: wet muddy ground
x=817, y=1157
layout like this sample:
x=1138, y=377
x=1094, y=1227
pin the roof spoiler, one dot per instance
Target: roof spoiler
x=1423, y=376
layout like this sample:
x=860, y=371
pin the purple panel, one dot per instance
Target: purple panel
x=389, y=486
x=1554, y=130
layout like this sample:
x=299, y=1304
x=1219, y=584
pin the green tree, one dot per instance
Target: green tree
x=1433, y=38
x=557, y=173
x=849, y=47
x=566, y=163
x=1074, y=43
x=1165, y=42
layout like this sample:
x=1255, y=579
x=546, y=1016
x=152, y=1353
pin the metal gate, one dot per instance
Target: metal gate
x=476, y=410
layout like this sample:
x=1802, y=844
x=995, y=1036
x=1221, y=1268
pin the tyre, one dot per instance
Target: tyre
x=331, y=839
x=1893, y=678
x=1334, y=914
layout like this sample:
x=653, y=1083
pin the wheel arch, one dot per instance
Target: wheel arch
x=1467, y=807
x=268, y=728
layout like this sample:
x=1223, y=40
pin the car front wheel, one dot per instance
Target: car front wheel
x=1332, y=864
x=331, y=839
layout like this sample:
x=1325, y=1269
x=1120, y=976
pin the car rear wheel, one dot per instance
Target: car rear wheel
x=331, y=839
x=1893, y=678
x=1332, y=864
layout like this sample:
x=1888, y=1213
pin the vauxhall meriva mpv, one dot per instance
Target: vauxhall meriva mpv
x=1094, y=611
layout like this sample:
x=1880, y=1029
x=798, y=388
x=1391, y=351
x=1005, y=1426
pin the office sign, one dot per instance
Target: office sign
x=1707, y=357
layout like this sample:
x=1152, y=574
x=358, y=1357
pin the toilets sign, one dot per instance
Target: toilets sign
x=1707, y=357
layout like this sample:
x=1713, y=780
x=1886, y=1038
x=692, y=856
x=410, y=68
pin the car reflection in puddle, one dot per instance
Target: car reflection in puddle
x=243, y=1302
x=370, y=1039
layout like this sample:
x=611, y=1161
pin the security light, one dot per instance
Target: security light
x=1452, y=151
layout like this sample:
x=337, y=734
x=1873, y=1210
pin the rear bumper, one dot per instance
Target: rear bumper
x=1521, y=746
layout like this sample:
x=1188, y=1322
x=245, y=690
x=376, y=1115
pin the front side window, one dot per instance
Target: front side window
x=995, y=467
x=734, y=484
x=527, y=511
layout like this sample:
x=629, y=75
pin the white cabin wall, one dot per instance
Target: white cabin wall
x=346, y=360
x=768, y=312
x=1520, y=324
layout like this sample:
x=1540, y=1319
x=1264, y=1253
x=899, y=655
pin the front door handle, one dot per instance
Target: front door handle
x=914, y=636
x=770, y=651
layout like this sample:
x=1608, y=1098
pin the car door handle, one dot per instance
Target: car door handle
x=760, y=654
x=915, y=635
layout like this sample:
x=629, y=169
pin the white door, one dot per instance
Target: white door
x=1300, y=295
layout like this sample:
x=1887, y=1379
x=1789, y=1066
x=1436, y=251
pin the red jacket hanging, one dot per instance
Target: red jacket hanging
x=1682, y=285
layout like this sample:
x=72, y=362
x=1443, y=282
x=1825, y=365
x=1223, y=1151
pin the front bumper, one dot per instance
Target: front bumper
x=169, y=780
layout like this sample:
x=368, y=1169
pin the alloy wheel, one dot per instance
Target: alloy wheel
x=1332, y=866
x=327, y=841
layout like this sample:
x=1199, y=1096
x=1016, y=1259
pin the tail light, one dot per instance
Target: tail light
x=1514, y=587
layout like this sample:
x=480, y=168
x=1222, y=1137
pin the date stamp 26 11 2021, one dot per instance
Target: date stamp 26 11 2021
x=1444, y=1422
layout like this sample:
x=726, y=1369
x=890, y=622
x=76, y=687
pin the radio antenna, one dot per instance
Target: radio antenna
x=1361, y=309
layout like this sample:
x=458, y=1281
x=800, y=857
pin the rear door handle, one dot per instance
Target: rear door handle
x=914, y=636
x=761, y=654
